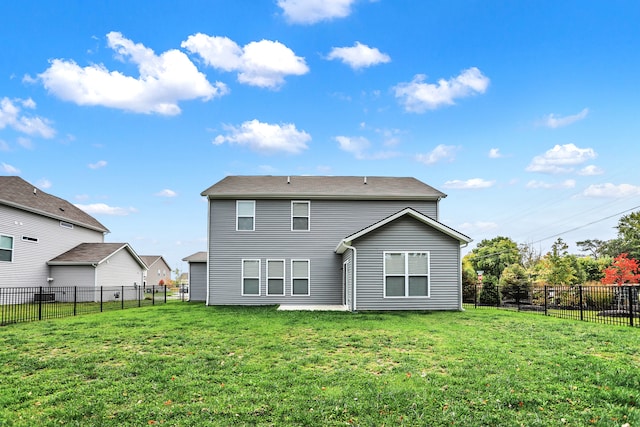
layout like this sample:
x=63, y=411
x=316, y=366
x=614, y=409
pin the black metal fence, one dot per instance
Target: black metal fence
x=45, y=302
x=616, y=305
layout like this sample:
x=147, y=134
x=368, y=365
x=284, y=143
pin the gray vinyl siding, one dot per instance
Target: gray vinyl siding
x=158, y=271
x=330, y=222
x=121, y=269
x=408, y=234
x=197, y=281
x=29, y=265
x=73, y=275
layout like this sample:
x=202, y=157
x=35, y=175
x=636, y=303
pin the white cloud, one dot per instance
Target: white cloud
x=554, y=121
x=470, y=184
x=4, y=146
x=354, y=145
x=569, y=183
x=312, y=11
x=163, y=80
x=359, y=56
x=441, y=152
x=495, y=153
x=97, y=165
x=359, y=147
x=11, y=170
x=44, y=184
x=25, y=143
x=612, y=191
x=104, y=209
x=266, y=138
x=417, y=96
x=11, y=116
x=591, y=170
x=166, y=193
x=561, y=159
x=264, y=64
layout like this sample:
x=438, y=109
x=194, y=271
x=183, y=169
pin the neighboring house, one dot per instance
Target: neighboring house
x=197, y=276
x=366, y=243
x=159, y=272
x=183, y=279
x=36, y=227
x=100, y=265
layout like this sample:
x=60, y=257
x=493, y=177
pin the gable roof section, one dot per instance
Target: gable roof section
x=149, y=260
x=346, y=242
x=94, y=254
x=197, y=257
x=322, y=187
x=19, y=194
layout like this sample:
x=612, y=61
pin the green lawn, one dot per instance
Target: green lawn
x=190, y=365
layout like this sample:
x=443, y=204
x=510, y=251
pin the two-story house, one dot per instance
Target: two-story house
x=367, y=243
x=159, y=272
x=47, y=241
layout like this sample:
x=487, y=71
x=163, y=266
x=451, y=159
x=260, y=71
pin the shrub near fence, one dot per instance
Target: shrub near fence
x=46, y=302
x=618, y=305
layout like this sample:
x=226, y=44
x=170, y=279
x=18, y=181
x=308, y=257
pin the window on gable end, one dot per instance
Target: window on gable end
x=245, y=215
x=300, y=215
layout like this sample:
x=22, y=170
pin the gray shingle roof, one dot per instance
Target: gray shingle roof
x=93, y=253
x=197, y=257
x=322, y=187
x=18, y=193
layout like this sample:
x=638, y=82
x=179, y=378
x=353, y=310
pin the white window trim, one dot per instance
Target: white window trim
x=251, y=277
x=406, y=274
x=13, y=246
x=246, y=216
x=284, y=274
x=308, y=277
x=308, y=214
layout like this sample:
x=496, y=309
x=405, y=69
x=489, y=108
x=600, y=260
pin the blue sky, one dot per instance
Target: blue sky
x=525, y=113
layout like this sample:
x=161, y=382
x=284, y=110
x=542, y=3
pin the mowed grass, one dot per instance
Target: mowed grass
x=190, y=365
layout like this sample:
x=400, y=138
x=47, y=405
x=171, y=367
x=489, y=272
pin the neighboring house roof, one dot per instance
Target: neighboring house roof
x=149, y=260
x=18, y=193
x=323, y=187
x=93, y=254
x=197, y=257
x=347, y=241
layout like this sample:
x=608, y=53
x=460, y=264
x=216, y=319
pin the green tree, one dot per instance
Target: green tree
x=469, y=280
x=560, y=267
x=595, y=247
x=489, y=294
x=493, y=256
x=628, y=239
x=514, y=283
x=593, y=268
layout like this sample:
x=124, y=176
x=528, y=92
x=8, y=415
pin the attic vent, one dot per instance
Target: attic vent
x=62, y=209
x=64, y=224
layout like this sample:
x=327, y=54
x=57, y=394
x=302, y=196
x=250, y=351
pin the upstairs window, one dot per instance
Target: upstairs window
x=6, y=248
x=300, y=216
x=245, y=215
x=406, y=274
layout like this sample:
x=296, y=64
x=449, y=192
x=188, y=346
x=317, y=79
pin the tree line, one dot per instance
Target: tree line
x=516, y=268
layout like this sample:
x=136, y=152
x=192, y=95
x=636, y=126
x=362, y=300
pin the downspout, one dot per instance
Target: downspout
x=355, y=275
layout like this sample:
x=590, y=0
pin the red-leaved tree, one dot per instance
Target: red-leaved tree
x=622, y=270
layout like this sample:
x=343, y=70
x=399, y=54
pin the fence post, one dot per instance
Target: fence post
x=630, y=292
x=75, y=299
x=165, y=294
x=545, y=300
x=138, y=293
x=475, y=296
x=40, y=305
x=100, y=299
x=580, y=302
x=153, y=294
x=122, y=297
